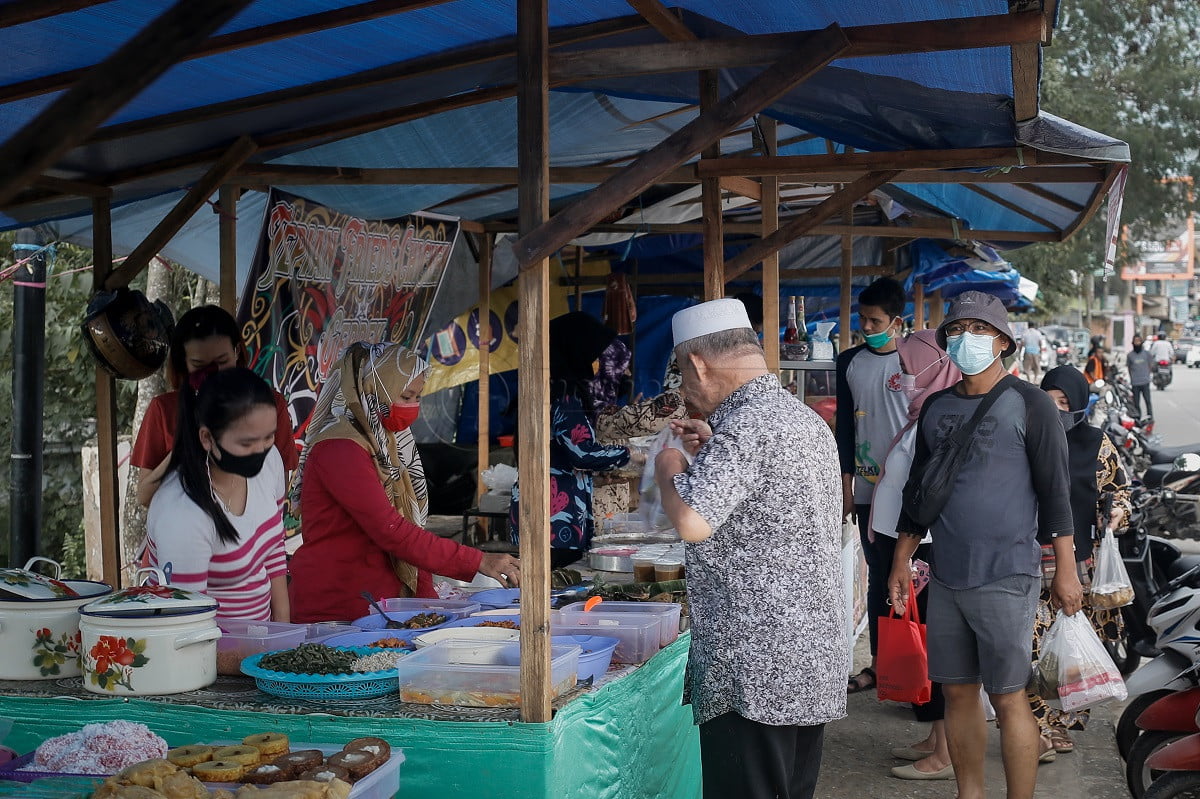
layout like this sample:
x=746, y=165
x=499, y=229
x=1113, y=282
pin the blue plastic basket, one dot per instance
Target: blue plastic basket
x=323, y=687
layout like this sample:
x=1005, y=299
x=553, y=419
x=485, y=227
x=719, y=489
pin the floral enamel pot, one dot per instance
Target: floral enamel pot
x=150, y=639
x=39, y=623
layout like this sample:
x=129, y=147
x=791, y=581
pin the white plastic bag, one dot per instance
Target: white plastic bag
x=1075, y=668
x=650, y=506
x=1111, y=587
x=499, y=478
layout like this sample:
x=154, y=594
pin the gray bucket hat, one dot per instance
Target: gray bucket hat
x=986, y=308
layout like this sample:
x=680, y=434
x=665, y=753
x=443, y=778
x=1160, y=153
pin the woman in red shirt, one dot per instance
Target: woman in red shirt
x=205, y=340
x=362, y=494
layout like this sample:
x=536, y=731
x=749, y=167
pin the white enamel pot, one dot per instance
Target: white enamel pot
x=39, y=636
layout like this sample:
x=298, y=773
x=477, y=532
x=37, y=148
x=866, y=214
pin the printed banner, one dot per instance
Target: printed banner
x=322, y=280
x=453, y=351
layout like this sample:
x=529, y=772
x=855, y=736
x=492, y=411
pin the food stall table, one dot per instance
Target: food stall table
x=627, y=738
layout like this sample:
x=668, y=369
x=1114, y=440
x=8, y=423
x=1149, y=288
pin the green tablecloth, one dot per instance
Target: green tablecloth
x=629, y=739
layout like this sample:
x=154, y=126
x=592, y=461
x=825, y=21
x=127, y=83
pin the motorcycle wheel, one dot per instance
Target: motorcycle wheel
x=1127, y=728
x=1123, y=655
x=1138, y=775
x=1175, y=785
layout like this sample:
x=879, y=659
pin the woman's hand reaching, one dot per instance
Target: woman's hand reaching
x=505, y=569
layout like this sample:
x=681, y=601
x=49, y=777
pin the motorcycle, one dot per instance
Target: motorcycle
x=1176, y=488
x=1176, y=767
x=1169, y=719
x=1163, y=372
x=1063, y=355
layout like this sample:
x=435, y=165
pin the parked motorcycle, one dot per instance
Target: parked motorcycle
x=1167, y=720
x=1176, y=767
x=1162, y=374
x=1175, y=487
x=1063, y=355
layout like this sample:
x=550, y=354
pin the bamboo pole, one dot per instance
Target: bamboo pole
x=918, y=305
x=106, y=410
x=937, y=310
x=227, y=232
x=483, y=445
x=770, y=271
x=710, y=200
x=847, y=293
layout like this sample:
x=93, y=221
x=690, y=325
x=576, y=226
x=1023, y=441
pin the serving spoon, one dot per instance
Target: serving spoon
x=392, y=624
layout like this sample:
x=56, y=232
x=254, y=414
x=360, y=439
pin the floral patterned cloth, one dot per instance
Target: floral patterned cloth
x=574, y=455
x=765, y=590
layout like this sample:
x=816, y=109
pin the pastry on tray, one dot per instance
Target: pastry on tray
x=269, y=744
x=301, y=760
x=267, y=774
x=246, y=755
x=188, y=756
x=376, y=746
x=326, y=774
x=359, y=763
x=219, y=770
x=296, y=789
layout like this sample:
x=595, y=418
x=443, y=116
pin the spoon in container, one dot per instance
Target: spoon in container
x=392, y=624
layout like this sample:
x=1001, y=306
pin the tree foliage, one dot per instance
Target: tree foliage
x=1130, y=70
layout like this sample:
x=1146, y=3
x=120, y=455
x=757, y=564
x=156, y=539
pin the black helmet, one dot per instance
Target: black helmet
x=128, y=335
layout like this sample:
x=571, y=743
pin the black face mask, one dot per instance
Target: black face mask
x=242, y=465
x=1137, y=347
x=1071, y=418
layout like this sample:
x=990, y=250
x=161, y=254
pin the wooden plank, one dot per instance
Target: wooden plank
x=106, y=411
x=236, y=40
x=966, y=158
x=845, y=280
x=533, y=375
x=1010, y=205
x=109, y=85
x=662, y=20
x=296, y=175
x=1015, y=176
x=18, y=12
x=694, y=278
x=836, y=203
x=937, y=310
x=578, y=274
x=770, y=265
x=917, y=229
x=712, y=214
x=177, y=217
x=690, y=54
x=1026, y=73
x=483, y=449
x=79, y=188
x=918, y=305
x=227, y=243
x=771, y=84
x=744, y=187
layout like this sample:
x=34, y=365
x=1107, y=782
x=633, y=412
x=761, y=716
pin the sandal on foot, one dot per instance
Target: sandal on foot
x=863, y=681
x=1046, y=753
x=1061, y=740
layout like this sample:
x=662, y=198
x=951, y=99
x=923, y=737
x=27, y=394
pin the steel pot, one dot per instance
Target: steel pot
x=39, y=634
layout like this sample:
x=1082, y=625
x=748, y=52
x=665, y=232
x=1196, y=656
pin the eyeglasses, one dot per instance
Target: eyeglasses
x=978, y=328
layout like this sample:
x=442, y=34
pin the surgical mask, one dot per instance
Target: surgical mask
x=401, y=416
x=877, y=340
x=197, y=378
x=1071, y=418
x=971, y=352
x=908, y=383
x=242, y=465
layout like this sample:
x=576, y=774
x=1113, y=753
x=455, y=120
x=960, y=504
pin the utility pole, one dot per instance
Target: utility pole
x=28, y=389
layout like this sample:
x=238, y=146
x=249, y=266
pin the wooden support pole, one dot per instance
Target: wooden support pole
x=533, y=377
x=111, y=84
x=484, y=442
x=839, y=201
x=296, y=175
x=846, y=285
x=866, y=161
x=18, y=12
x=770, y=272
x=711, y=214
x=106, y=414
x=918, y=305
x=578, y=275
x=771, y=84
x=937, y=310
x=227, y=234
x=178, y=216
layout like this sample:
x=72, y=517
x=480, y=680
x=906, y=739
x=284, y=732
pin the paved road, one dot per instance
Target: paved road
x=1177, y=408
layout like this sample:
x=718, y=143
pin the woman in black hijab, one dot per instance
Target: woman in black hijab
x=1097, y=477
x=576, y=342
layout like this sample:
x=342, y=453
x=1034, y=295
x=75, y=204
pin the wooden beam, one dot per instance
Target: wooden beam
x=483, y=448
x=712, y=214
x=770, y=223
x=691, y=54
x=662, y=20
x=771, y=84
x=227, y=236
x=1015, y=177
x=967, y=158
x=1026, y=73
x=109, y=85
x=80, y=188
x=533, y=375
x=918, y=305
x=937, y=310
x=845, y=280
x=236, y=40
x=696, y=278
x=578, y=275
x=836, y=203
x=106, y=410
x=745, y=187
x=1016, y=209
x=178, y=216
x=287, y=174
x=18, y=12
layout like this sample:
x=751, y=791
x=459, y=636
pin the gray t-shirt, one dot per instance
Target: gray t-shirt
x=1139, y=365
x=871, y=411
x=1011, y=495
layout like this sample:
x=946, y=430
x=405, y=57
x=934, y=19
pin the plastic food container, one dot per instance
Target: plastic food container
x=376, y=622
x=643, y=568
x=474, y=674
x=638, y=635
x=451, y=607
x=595, y=655
x=480, y=634
x=369, y=637
x=241, y=639
x=667, y=612
x=498, y=598
x=320, y=631
x=668, y=568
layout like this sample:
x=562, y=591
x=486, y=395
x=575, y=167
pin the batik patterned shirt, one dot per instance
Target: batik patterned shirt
x=765, y=590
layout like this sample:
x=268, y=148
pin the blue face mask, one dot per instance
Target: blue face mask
x=971, y=352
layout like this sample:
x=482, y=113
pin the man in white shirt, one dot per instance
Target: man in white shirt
x=1032, y=342
x=1161, y=349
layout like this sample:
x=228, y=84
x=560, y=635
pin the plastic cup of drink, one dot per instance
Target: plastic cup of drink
x=643, y=568
x=668, y=568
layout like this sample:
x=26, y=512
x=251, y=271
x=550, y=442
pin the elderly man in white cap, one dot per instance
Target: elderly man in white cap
x=760, y=509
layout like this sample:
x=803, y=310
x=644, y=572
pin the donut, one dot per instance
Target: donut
x=246, y=755
x=219, y=771
x=359, y=763
x=376, y=746
x=188, y=756
x=269, y=744
x=325, y=774
x=265, y=774
x=301, y=760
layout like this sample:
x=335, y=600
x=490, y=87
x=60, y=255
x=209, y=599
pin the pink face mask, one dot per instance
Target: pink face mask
x=908, y=383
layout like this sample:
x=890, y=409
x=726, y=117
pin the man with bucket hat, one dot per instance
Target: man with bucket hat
x=1005, y=494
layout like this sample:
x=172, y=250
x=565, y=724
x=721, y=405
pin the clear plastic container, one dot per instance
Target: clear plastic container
x=668, y=568
x=318, y=631
x=643, y=568
x=638, y=634
x=457, y=607
x=478, y=674
x=241, y=639
x=667, y=612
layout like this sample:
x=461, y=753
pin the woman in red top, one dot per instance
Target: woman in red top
x=205, y=340
x=362, y=494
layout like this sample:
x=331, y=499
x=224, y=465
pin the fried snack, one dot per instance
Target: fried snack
x=188, y=756
x=182, y=785
x=246, y=755
x=359, y=763
x=114, y=790
x=148, y=773
x=325, y=774
x=376, y=746
x=301, y=760
x=269, y=744
x=221, y=793
x=267, y=774
x=219, y=771
x=297, y=789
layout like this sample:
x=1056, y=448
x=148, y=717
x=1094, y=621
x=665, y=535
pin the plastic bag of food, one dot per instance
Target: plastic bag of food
x=1076, y=667
x=1111, y=587
x=650, y=504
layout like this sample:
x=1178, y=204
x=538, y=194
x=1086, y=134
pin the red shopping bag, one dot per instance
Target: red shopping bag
x=902, y=663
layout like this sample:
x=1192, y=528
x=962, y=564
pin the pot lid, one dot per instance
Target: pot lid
x=27, y=584
x=161, y=599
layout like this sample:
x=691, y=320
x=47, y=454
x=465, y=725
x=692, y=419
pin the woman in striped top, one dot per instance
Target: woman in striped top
x=215, y=524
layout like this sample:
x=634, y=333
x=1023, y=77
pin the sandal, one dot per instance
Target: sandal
x=863, y=681
x=1061, y=740
x=1046, y=753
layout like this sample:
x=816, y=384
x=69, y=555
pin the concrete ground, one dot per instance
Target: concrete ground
x=857, y=762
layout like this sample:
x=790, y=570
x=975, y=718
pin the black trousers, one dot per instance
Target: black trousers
x=1138, y=393
x=747, y=760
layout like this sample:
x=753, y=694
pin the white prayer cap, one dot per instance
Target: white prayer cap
x=709, y=317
